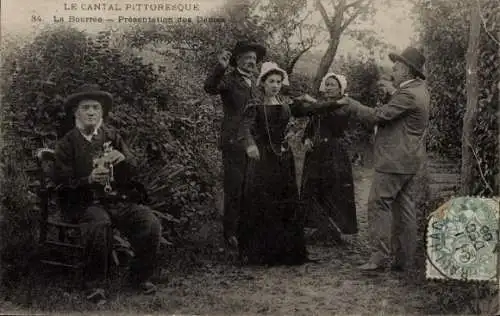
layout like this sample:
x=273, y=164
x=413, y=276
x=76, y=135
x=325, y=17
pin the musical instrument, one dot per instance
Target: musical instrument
x=102, y=162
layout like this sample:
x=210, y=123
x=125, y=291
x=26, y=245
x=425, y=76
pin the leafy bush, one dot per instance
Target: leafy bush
x=172, y=137
x=444, y=28
x=362, y=76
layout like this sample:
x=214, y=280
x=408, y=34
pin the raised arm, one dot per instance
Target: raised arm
x=215, y=82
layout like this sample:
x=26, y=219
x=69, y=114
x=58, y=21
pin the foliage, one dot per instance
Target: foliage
x=444, y=28
x=362, y=76
x=173, y=138
x=205, y=38
x=291, y=33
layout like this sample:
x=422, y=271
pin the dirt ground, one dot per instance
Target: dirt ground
x=331, y=286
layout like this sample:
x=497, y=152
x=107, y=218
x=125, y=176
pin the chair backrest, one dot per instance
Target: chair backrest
x=45, y=159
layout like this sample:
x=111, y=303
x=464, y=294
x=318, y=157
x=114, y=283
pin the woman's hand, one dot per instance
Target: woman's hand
x=253, y=152
x=308, y=144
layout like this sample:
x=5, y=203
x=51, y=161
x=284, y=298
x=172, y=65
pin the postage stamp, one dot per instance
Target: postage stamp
x=461, y=239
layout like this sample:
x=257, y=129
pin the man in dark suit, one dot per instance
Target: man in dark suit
x=93, y=195
x=399, y=152
x=235, y=89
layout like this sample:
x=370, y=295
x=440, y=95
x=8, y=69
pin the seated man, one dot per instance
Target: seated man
x=91, y=197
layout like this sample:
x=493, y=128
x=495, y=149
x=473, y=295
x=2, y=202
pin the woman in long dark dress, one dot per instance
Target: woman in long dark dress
x=327, y=181
x=271, y=224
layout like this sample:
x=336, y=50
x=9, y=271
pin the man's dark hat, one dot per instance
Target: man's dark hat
x=89, y=92
x=411, y=57
x=246, y=46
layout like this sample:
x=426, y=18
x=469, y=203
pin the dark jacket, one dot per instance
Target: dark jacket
x=235, y=93
x=400, y=140
x=326, y=125
x=74, y=163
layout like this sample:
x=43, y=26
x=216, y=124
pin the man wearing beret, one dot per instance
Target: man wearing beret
x=89, y=195
x=235, y=89
x=399, y=153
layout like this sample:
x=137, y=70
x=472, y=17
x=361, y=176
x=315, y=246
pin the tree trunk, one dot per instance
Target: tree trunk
x=468, y=160
x=326, y=60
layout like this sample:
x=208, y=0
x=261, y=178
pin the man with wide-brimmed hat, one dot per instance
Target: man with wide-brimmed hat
x=399, y=153
x=95, y=170
x=235, y=89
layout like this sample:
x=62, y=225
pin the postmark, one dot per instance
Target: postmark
x=461, y=238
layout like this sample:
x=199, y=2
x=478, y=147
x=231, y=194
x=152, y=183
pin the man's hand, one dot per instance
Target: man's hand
x=306, y=98
x=99, y=175
x=386, y=87
x=224, y=58
x=253, y=152
x=115, y=157
x=308, y=144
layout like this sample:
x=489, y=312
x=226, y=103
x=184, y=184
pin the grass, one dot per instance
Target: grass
x=198, y=278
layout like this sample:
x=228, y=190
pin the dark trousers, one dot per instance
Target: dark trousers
x=392, y=219
x=137, y=223
x=234, y=163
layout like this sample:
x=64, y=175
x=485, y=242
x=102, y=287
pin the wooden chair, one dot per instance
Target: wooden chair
x=60, y=241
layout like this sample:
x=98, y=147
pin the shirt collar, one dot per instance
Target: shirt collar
x=247, y=76
x=244, y=73
x=88, y=137
x=405, y=83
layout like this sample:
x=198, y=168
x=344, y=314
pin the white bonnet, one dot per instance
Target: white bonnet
x=341, y=79
x=269, y=66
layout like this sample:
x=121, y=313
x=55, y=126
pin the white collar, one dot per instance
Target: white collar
x=244, y=73
x=79, y=125
x=405, y=83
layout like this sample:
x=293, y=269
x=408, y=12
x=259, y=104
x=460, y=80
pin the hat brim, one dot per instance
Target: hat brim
x=105, y=98
x=257, y=48
x=395, y=57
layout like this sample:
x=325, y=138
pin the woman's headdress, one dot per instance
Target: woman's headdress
x=341, y=80
x=271, y=66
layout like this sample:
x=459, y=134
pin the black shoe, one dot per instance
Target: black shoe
x=371, y=267
x=96, y=295
x=148, y=287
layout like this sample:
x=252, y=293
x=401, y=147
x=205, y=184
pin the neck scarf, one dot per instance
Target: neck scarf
x=247, y=76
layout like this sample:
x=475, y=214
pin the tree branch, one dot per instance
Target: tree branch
x=353, y=4
x=291, y=65
x=324, y=15
x=349, y=20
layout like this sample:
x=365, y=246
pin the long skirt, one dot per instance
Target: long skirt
x=271, y=224
x=328, y=188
